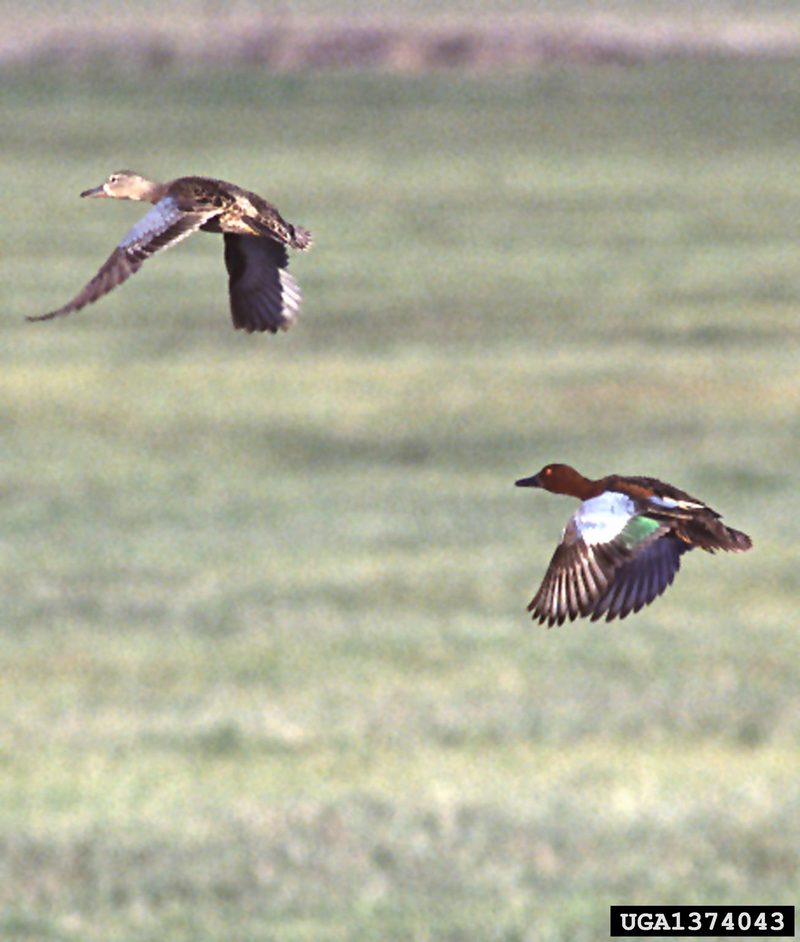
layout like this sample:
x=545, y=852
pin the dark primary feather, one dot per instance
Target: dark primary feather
x=615, y=577
x=578, y=575
x=641, y=578
x=118, y=268
x=263, y=295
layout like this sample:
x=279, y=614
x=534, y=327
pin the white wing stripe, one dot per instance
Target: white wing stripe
x=672, y=503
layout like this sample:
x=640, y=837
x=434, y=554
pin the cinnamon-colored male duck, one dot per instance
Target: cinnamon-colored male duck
x=623, y=546
x=263, y=295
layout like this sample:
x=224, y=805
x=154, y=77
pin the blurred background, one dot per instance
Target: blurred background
x=266, y=667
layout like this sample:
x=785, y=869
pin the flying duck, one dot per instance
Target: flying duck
x=263, y=295
x=623, y=546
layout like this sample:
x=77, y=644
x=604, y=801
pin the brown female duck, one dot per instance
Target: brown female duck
x=263, y=295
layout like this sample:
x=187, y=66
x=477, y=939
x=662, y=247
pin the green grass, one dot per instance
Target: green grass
x=267, y=672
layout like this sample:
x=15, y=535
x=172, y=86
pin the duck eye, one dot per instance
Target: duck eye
x=113, y=178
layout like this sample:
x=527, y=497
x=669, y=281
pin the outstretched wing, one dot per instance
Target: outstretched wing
x=591, y=557
x=163, y=226
x=642, y=578
x=264, y=296
x=578, y=575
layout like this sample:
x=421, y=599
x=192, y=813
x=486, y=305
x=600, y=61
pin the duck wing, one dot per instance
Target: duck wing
x=578, y=576
x=587, y=562
x=642, y=578
x=263, y=295
x=161, y=227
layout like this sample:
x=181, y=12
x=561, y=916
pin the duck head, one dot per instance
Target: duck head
x=560, y=479
x=124, y=185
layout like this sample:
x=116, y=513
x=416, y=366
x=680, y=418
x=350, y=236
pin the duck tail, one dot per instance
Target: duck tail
x=709, y=533
x=301, y=238
x=737, y=542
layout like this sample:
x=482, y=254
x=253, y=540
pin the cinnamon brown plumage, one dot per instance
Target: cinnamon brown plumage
x=622, y=547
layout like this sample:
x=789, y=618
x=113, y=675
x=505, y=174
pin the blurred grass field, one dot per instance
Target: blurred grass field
x=267, y=672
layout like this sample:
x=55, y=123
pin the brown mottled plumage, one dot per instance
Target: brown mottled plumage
x=263, y=295
x=623, y=546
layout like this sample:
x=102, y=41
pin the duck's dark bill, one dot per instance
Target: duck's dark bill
x=528, y=482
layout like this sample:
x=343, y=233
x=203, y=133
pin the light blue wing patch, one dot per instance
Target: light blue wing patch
x=158, y=219
x=161, y=227
x=600, y=519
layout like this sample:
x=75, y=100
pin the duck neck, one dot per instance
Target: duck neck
x=593, y=488
x=152, y=191
x=575, y=484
